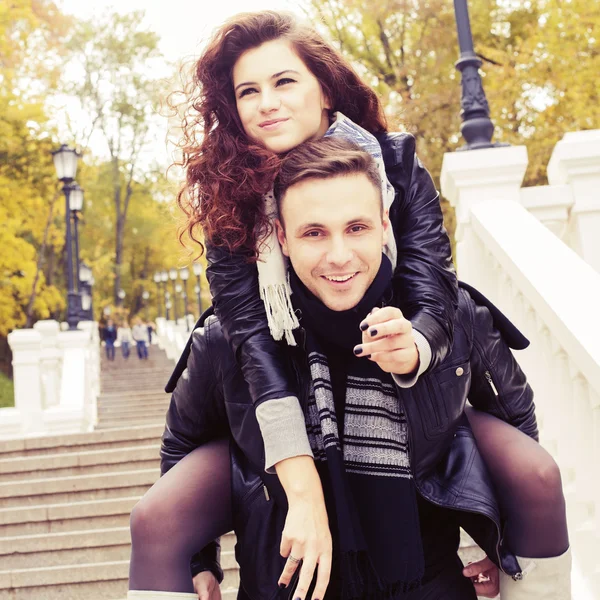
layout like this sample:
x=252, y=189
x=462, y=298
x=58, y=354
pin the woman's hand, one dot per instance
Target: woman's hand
x=388, y=340
x=206, y=586
x=306, y=540
x=485, y=578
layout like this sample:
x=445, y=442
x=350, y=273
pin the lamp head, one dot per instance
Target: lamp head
x=65, y=161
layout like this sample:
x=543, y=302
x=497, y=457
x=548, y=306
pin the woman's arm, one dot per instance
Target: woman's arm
x=241, y=312
x=425, y=285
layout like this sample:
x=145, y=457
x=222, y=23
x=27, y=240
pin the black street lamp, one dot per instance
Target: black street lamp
x=86, y=281
x=173, y=278
x=145, y=296
x=65, y=161
x=121, y=295
x=76, y=206
x=184, y=274
x=168, y=305
x=477, y=128
x=198, y=289
x=158, y=304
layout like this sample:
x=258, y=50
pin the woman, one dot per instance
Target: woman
x=264, y=85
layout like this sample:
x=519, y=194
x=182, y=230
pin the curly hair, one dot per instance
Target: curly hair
x=227, y=174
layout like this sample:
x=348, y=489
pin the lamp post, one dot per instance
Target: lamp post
x=164, y=277
x=121, y=295
x=477, y=128
x=76, y=206
x=85, y=288
x=145, y=296
x=167, y=305
x=198, y=289
x=158, y=304
x=65, y=161
x=173, y=278
x=184, y=274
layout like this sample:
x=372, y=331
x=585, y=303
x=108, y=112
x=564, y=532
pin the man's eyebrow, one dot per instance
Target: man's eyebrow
x=272, y=77
x=305, y=226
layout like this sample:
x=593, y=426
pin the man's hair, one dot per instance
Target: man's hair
x=322, y=159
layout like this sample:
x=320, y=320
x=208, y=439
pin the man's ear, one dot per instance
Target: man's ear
x=387, y=228
x=281, y=237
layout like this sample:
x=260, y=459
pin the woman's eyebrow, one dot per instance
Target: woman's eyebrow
x=239, y=85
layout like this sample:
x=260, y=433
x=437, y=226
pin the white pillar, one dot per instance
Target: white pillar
x=50, y=362
x=550, y=204
x=575, y=161
x=474, y=176
x=26, y=346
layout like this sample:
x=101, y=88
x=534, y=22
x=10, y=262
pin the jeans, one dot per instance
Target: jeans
x=110, y=349
x=125, y=349
x=142, y=350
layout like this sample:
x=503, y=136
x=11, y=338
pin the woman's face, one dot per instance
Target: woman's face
x=279, y=101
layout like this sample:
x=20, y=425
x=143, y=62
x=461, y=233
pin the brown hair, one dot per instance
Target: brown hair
x=322, y=159
x=226, y=173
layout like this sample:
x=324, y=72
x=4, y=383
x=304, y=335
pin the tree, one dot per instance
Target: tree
x=119, y=96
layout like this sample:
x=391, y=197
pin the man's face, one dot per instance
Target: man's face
x=333, y=230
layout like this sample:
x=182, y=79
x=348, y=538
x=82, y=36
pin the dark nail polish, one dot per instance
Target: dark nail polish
x=367, y=356
x=373, y=332
x=364, y=326
x=282, y=586
x=358, y=350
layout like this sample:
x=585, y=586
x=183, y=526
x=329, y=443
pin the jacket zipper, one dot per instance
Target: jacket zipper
x=499, y=537
x=490, y=381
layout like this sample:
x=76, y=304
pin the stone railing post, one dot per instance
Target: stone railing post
x=575, y=161
x=471, y=177
x=550, y=204
x=26, y=346
x=50, y=362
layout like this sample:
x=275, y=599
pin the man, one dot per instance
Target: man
x=399, y=467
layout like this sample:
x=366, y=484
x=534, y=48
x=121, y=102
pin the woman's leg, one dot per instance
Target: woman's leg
x=183, y=511
x=528, y=484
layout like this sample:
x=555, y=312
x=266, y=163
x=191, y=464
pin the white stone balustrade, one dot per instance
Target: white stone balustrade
x=172, y=336
x=552, y=295
x=575, y=162
x=57, y=380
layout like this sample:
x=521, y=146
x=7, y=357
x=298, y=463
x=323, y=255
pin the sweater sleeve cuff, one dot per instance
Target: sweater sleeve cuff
x=424, y=350
x=283, y=430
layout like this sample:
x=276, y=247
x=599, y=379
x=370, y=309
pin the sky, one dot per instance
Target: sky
x=183, y=27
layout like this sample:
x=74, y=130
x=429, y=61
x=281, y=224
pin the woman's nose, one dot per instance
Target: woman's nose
x=269, y=101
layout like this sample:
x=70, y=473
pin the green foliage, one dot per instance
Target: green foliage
x=7, y=391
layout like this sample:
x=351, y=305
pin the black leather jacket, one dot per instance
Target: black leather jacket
x=212, y=399
x=424, y=279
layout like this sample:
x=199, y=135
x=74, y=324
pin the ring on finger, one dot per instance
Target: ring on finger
x=294, y=560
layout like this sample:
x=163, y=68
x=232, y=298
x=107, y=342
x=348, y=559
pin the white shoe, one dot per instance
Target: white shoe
x=144, y=595
x=542, y=579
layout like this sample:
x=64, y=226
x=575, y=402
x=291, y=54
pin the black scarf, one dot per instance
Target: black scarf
x=365, y=471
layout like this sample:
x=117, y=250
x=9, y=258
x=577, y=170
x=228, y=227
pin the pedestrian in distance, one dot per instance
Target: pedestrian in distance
x=110, y=337
x=125, y=339
x=140, y=336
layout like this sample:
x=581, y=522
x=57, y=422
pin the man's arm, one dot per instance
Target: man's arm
x=498, y=385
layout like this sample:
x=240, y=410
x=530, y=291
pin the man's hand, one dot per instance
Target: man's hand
x=485, y=578
x=388, y=340
x=206, y=586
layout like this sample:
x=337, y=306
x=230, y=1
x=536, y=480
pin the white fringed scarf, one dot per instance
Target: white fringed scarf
x=272, y=267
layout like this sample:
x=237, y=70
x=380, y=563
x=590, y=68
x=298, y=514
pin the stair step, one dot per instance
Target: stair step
x=104, y=581
x=117, y=437
x=60, y=518
x=110, y=423
x=76, y=488
x=94, y=461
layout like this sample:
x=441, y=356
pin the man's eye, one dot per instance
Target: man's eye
x=247, y=91
x=284, y=81
x=312, y=234
x=357, y=228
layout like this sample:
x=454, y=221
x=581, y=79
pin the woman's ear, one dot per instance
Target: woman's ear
x=281, y=237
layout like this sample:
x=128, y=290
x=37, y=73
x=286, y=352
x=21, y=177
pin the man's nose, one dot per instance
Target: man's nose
x=339, y=253
x=269, y=101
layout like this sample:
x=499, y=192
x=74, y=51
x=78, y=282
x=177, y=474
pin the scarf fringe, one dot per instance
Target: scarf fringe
x=361, y=581
x=280, y=313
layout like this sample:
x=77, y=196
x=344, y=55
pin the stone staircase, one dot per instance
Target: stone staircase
x=65, y=500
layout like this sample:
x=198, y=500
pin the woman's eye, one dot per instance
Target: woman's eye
x=247, y=91
x=284, y=80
